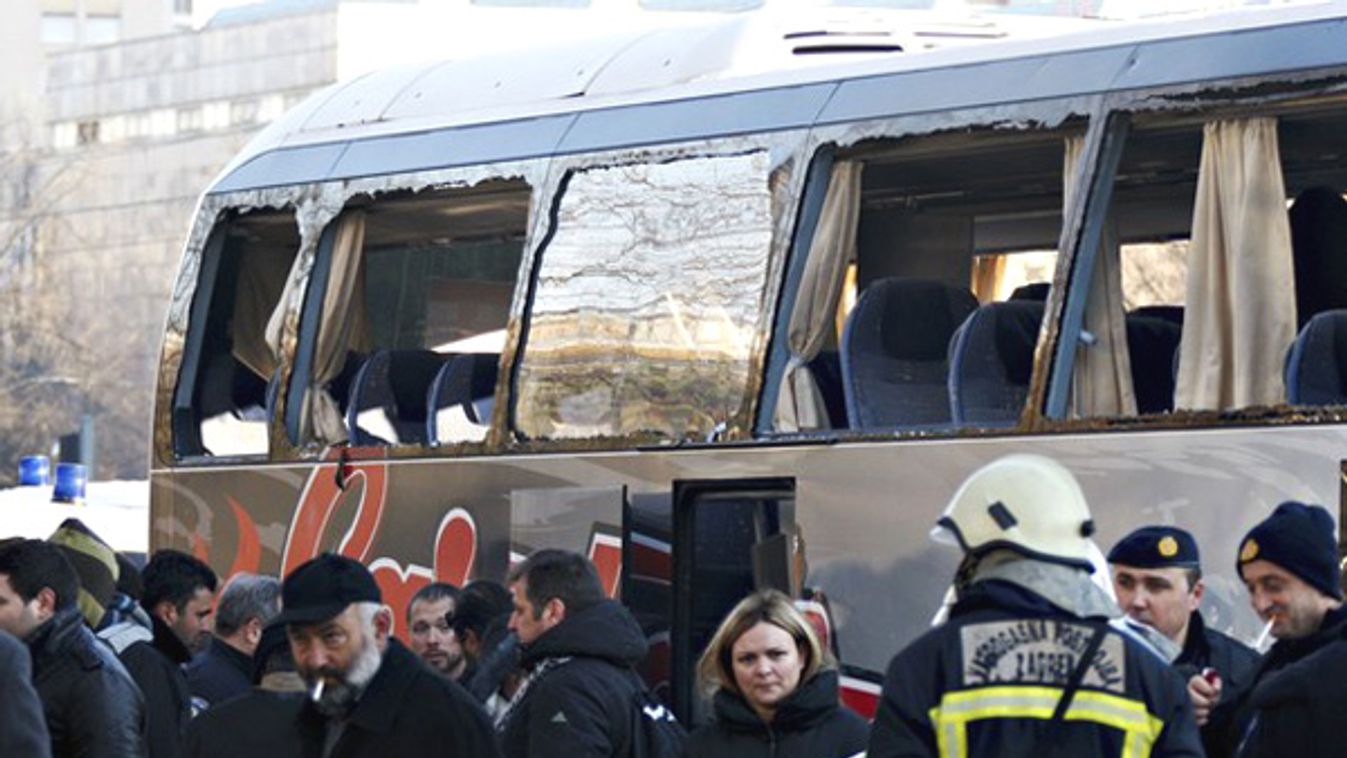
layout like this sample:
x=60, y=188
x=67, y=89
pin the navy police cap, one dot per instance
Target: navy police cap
x=1156, y=547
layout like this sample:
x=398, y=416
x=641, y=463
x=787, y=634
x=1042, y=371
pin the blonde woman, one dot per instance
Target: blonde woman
x=773, y=688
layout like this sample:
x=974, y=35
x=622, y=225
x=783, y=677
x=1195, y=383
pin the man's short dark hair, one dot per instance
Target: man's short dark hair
x=561, y=574
x=34, y=564
x=1194, y=575
x=433, y=593
x=482, y=602
x=174, y=576
x=247, y=597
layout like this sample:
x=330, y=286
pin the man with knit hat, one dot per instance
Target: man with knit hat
x=368, y=695
x=1157, y=576
x=1289, y=563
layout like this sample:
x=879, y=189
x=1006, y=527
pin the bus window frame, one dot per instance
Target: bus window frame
x=1261, y=95
x=186, y=441
x=1044, y=115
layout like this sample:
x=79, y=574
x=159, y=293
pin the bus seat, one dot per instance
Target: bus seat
x=894, y=368
x=1032, y=291
x=1319, y=249
x=1152, y=342
x=827, y=370
x=991, y=360
x=460, y=399
x=387, y=398
x=1171, y=313
x=1316, y=369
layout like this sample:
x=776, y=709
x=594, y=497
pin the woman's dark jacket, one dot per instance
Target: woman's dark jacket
x=809, y=723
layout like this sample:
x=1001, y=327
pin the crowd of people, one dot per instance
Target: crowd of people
x=1041, y=650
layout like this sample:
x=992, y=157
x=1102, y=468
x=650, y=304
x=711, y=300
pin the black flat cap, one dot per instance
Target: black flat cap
x=323, y=588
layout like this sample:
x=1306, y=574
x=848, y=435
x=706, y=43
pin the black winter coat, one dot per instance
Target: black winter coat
x=1270, y=709
x=258, y=723
x=406, y=711
x=93, y=709
x=579, y=697
x=1301, y=707
x=156, y=665
x=23, y=731
x=986, y=682
x=217, y=674
x=808, y=724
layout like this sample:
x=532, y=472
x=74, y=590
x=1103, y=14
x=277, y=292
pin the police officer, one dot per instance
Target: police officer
x=1157, y=576
x=1296, y=701
x=1027, y=663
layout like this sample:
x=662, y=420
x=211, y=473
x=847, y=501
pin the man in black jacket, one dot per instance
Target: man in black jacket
x=171, y=624
x=225, y=668
x=1157, y=576
x=23, y=731
x=1289, y=564
x=368, y=694
x=579, y=649
x=91, y=707
x=1027, y=663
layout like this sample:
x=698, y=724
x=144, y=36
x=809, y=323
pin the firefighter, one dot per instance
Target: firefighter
x=1027, y=664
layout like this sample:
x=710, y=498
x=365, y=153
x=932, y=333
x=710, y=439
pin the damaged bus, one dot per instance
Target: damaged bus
x=723, y=320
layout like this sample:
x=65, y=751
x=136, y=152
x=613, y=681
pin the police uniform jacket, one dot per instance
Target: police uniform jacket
x=1234, y=661
x=1263, y=713
x=987, y=682
x=809, y=723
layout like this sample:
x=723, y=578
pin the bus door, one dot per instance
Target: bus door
x=727, y=542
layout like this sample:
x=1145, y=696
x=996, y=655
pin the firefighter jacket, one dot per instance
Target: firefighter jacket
x=988, y=681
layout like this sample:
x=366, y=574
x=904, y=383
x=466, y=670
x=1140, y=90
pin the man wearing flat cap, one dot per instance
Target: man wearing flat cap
x=368, y=695
x=1157, y=576
x=1296, y=701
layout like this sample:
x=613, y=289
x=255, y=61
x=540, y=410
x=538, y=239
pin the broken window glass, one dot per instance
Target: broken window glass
x=648, y=300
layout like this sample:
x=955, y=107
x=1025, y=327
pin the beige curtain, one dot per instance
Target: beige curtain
x=800, y=405
x=1241, y=312
x=263, y=277
x=1102, y=377
x=342, y=328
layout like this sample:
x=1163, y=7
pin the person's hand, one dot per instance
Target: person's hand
x=1204, y=692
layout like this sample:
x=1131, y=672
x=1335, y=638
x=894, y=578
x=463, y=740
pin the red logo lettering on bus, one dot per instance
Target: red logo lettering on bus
x=366, y=486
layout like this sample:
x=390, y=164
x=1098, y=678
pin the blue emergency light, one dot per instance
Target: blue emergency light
x=70, y=481
x=34, y=471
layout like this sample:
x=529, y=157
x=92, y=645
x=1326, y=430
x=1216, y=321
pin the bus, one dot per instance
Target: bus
x=735, y=305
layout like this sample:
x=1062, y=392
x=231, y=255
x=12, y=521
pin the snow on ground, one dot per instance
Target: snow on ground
x=117, y=511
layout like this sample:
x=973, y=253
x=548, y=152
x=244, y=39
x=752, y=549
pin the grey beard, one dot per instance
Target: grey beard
x=338, y=699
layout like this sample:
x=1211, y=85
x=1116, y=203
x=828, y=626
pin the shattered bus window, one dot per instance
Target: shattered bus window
x=648, y=300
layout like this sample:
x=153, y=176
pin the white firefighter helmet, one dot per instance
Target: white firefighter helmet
x=1022, y=502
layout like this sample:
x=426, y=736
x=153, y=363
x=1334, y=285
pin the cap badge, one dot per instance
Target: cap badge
x=1249, y=551
x=1168, y=547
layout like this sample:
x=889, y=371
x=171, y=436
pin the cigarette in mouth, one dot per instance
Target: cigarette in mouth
x=317, y=693
x=1267, y=632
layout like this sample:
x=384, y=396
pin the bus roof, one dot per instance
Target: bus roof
x=755, y=73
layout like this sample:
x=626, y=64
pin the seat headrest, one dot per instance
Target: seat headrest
x=916, y=316
x=1016, y=324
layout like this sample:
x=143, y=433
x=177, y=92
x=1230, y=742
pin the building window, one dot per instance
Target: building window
x=86, y=133
x=101, y=30
x=58, y=29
